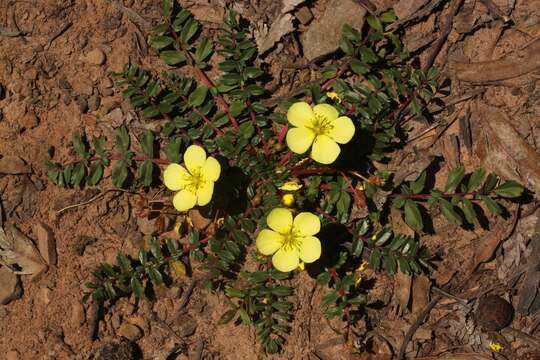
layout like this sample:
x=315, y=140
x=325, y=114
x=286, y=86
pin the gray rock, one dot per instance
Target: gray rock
x=13, y=165
x=9, y=286
x=322, y=37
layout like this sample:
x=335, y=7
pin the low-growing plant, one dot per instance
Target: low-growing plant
x=289, y=183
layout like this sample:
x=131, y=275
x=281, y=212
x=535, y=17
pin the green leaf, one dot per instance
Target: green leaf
x=172, y=57
x=147, y=143
x=449, y=213
x=468, y=210
x=79, y=146
x=357, y=247
x=329, y=298
x=323, y=278
x=146, y=173
x=160, y=42
x=182, y=16
x=227, y=316
x=413, y=217
x=490, y=183
x=375, y=23
x=172, y=150
x=247, y=130
x=375, y=259
x=122, y=139
x=136, y=286
x=151, y=111
x=454, y=178
x=491, y=204
x=154, y=275
x=476, y=179
x=79, y=172
x=167, y=7
x=388, y=16
x=96, y=172
x=510, y=189
x=203, y=50
x=244, y=316
x=418, y=185
x=359, y=67
x=383, y=237
x=119, y=173
x=197, y=97
x=190, y=28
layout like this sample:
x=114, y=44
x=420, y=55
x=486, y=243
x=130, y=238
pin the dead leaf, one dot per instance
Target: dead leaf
x=502, y=150
x=510, y=66
x=420, y=293
x=402, y=290
x=19, y=253
x=280, y=27
x=289, y=5
x=46, y=242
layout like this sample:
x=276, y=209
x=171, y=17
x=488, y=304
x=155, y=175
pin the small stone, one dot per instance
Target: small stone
x=45, y=295
x=46, y=242
x=82, y=104
x=29, y=121
x=107, y=83
x=115, y=118
x=82, y=86
x=146, y=226
x=13, y=165
x=12, y=355
x=30, y=74
x=130, y=332
x=95, y=57
x=94, y=102
x=66, y=99
x=9, y=286
x=116, y=321
x=304, y=15
x=187, y=325
x=107, y=92
x=77, y=314
x=494, y=313
x=323, y=36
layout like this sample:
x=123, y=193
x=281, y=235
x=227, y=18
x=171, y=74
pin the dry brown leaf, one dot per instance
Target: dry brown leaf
x=280, y=27
x=402, y=290
x=420, y=293
x=19, y=253
x=512, y=65
x=502, y=150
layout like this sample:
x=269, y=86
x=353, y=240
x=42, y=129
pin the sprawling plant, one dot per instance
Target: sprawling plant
x=294, y=177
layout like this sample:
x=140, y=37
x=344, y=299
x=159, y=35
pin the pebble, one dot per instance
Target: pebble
x=82, y=104
x=77, y=314
x=82, y=85
x=30, y=74
x=95, y=57
x=94, y=102
x=130, y=332
x=12, y=355
x=9, y=286
x=45, y=295
x=304, y=15
x=323, y=36
x=146, y=226
x=46, y=242
x=13, y=165
x=115, y=118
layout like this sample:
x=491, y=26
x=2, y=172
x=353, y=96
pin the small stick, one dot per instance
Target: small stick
x=57, y=33
x=91, y=200
x=187, y=295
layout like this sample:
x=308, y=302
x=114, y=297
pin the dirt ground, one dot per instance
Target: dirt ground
x=56, y=60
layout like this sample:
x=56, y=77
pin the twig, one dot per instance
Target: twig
x=91, y=200
x=58, y=32
x=419, y=320
x=454, y=6
x=11, y=33
x=495, y=10
x=447, y=294
x=187, y=295
x=417, y=15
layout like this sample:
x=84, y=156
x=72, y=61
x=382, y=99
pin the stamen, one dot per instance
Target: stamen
x=320, y=125
x=292, y=240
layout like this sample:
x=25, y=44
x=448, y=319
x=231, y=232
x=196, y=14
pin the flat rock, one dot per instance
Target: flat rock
x=95, y=57
x=130, y=332
x=77, y=314
x=13, y=165
x=46, y=242
x=322, y=37
x=82, y=85
x=9, y=286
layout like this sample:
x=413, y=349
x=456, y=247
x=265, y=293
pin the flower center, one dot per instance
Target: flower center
x=292, y=240
x=195, y=181
x=320, y=125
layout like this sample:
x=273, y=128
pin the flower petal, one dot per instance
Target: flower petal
x=300, y=114
x=211, y=169
x=175, y=177
x=194, y=158
x=299, y=139
x=342, y=130
x=310, y=250
x=327, y=111
x=307, y=224
x=324, y=150
x=204, y=193
x=286, y=260
x=268, y=242
x=184, y=200
x=280, y=220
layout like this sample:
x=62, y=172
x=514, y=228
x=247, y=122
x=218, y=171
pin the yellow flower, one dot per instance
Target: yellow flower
x=292, y=185
x=362, y=266
x=290, y=240
x=495, y=346
x=287, y=200
x=320, y=126
x=195, y=185
x=334, y=96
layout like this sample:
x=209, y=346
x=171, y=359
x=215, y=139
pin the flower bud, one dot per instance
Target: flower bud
x=287, y=200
